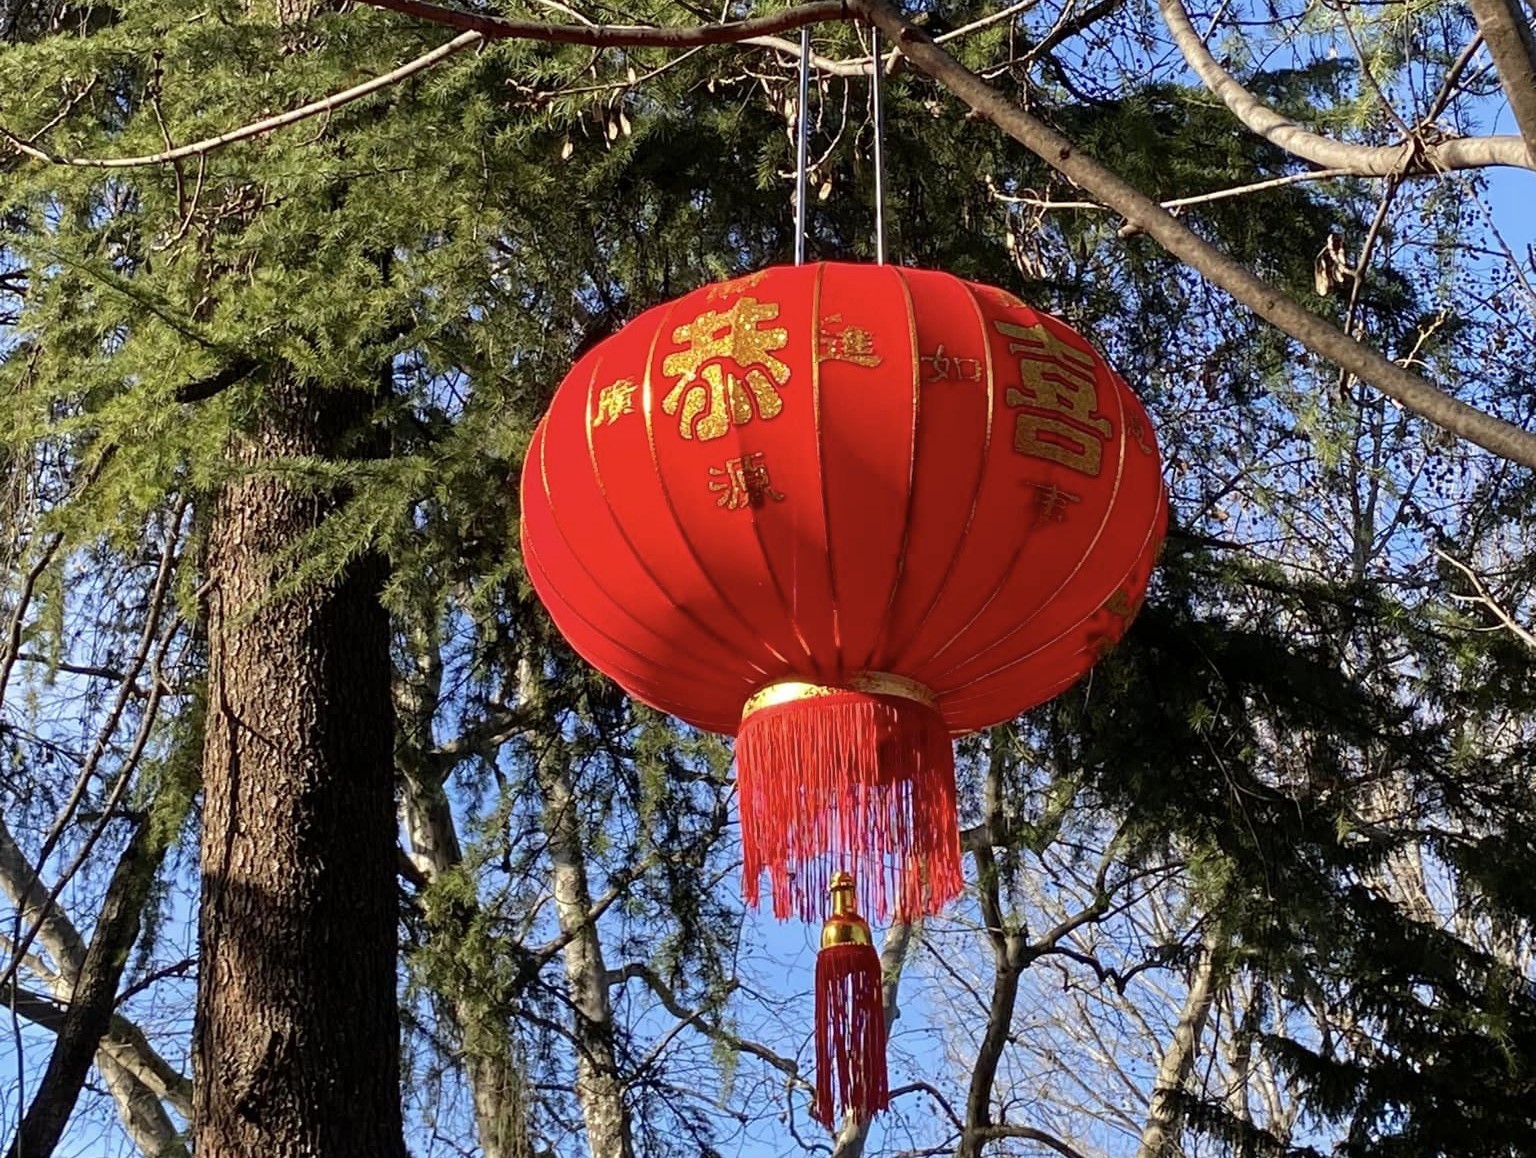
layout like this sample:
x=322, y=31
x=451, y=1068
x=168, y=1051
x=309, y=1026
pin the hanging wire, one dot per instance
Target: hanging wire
x=874, y=44
x=802, y=143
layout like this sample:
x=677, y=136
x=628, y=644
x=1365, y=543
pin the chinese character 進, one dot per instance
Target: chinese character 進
x=1058, y=380
x=614, y=400
x=712, y=398
x=1051, y=501
x=845, y=344
x=947, y=368
x=743, y=482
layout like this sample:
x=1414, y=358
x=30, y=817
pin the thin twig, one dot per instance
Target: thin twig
x=256, y=128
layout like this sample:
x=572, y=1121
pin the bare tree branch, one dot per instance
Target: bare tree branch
x=1411, y=158
x=1508, y=36
x=1486, y=597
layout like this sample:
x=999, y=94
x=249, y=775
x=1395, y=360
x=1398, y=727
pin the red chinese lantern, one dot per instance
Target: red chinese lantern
x=844, y=512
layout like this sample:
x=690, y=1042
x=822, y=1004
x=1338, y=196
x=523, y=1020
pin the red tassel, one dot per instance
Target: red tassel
x=849, y=778
x=850, y=1035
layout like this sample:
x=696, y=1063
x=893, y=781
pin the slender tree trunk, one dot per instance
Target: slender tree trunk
x=480, y=1012
x=297, y=1035
x=91, y=999
x=1159, y=1135
x=599, y=1086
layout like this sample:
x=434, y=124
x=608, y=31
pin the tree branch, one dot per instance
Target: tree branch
x=1411, y=158
x=1486, y=597
x=1030, y=1134
x=1315, y=333
x=1508, y=37
x=639, y=971
x=202, y=389
x=256, y=128
x=623, y=35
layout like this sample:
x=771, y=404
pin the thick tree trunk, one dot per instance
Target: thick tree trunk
x=297, y=1037
x=599, y=1086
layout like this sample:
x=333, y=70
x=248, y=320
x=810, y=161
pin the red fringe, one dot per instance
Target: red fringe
x=850, y=1035
x=849, y=781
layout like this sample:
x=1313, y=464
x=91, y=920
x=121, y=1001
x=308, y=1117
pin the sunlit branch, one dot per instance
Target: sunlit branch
x=1414, y=157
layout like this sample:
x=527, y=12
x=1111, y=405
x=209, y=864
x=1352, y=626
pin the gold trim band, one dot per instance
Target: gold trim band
x=876, y=683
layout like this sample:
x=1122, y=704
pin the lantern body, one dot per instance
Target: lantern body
x=819, y=472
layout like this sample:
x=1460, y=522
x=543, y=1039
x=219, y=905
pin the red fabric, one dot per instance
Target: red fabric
x=849, y=782
x=850, y=1035
x=829, y=469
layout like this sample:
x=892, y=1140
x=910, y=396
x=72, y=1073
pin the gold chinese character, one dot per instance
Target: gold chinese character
x=845, y=344
x=1051, y=501
x=713, y=392
x=743, y=482
x=614, y=400
x=1058, y=379
x=1139, y=433
x=724, y=289
x=945, y=368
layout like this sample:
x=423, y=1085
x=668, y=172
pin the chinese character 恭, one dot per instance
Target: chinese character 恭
x=711, y=397
x=614, y=400
x=743, y=482
x=947, y=368
x=1058, y=379
x=1051, y=501
x=845, y=344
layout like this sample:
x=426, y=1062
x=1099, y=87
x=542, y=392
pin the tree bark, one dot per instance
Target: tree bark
x=599, y=1086
x=296, y=1050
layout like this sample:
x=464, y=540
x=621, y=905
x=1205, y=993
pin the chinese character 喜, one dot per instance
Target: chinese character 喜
x=712, y=398
x=743, y=482
x=1059, y=399
x=614, y=400
x=845, y=344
